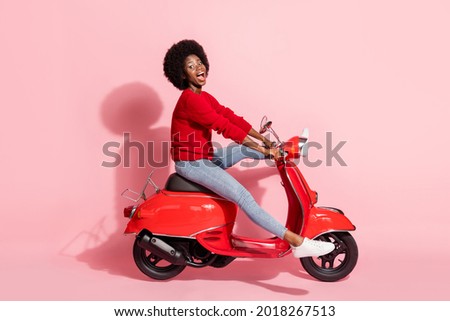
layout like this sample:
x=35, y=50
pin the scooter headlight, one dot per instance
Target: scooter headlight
x=292, y=147
x=297, y=145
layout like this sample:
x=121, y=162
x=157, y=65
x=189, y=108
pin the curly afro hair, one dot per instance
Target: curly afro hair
x=174, y=61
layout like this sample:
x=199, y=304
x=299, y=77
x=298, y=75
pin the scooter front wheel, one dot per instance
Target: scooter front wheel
x=337, y=264
x=154, y=266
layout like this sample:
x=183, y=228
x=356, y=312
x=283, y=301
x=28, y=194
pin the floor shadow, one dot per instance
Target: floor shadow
x=257, y=272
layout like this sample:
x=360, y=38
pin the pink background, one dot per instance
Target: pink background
x=77, y=74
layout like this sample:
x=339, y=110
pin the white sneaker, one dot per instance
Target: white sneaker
x=312, y=248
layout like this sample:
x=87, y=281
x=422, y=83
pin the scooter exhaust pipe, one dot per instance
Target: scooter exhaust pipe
x=160, y=248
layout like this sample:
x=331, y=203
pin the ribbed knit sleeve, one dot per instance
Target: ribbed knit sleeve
x=210, y=114
x=228, y=113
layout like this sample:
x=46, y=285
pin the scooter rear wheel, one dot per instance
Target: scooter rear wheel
x=337, y=264
x=154, y=266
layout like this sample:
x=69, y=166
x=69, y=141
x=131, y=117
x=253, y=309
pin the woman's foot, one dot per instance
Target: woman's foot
x=312, y=248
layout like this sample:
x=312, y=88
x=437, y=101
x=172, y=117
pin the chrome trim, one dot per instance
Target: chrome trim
x=192, y=236
x=333, y=209
x=331, y=231
x=177, y=236
x=210, y=228
x=285, y=252
x=129, y=191
x=133, y=211
x=141, y=195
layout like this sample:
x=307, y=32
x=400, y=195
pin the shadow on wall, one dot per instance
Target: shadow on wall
x=130, y=112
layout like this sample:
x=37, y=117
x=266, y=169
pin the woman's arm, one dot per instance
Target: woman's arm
x=254, y=145
x=273, y=152
x=258, y=136
x=200, y=111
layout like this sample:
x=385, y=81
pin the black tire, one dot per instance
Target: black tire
x=154, y=266
x=337, y=264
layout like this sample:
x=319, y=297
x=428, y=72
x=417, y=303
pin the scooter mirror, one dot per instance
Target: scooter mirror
x=265, y=127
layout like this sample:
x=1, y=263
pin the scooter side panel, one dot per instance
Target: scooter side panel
x=323, y=220
x=182, y=214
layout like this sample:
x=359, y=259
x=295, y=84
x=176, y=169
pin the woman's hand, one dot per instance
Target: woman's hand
x=268, y=152
x=274, y=153
x=267, y=143
x=253, y=133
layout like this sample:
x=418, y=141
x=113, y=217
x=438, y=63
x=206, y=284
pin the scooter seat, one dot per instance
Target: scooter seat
x=177, y=183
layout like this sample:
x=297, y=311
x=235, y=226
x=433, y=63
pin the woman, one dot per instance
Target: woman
x=196, y=114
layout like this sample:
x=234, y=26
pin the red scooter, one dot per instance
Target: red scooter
x=186, y=224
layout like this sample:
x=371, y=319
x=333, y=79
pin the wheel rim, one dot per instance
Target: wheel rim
x=334, y=261
x=153, y=265
x=154, y=262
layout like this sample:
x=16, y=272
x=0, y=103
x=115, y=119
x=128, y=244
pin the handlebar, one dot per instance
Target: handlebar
x=299, y=141
x=266, y=126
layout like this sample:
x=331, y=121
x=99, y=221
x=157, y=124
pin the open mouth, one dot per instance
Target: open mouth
x=201, y=76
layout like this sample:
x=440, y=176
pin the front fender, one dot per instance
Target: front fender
x=325, y=219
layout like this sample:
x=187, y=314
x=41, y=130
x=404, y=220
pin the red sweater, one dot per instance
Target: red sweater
x=194, y=118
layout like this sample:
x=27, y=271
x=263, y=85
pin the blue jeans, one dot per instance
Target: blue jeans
x=213, y=175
